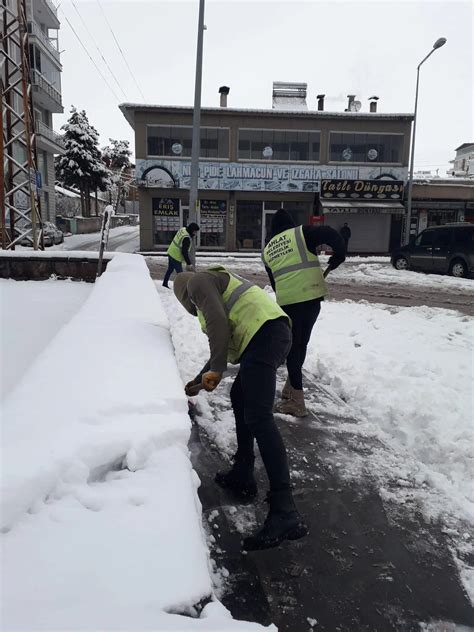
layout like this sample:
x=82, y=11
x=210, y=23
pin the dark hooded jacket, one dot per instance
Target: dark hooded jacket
x=192, y=227
x=314, y=236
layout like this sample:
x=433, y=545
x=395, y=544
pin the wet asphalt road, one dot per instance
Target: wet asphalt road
x=393, y=294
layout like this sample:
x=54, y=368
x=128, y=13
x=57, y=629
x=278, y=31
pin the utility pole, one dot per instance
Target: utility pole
x=196, y=146
x=19, y=200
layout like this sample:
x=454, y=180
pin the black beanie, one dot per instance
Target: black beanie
x=192, y=227
x=281, y=221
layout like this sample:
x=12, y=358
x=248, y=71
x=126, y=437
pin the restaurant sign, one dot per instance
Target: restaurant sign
x=362, y=189
x=259, y=176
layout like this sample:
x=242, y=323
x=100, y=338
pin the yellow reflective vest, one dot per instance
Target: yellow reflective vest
x=175, y=247
x=296, y=270
x=248, y=307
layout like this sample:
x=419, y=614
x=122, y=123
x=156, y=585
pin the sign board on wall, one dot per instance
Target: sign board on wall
x=362, y=189
x=166, y=214
x=212, y=216
x=243, y=176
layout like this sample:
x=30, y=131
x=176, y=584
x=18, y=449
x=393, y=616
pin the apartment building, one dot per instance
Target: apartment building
x=323, y=167
x=43, y=26
x=463, y=163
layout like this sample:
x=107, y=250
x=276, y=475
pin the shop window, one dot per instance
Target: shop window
x=288, y=146
x=370, y=148
x=249, y=225
x=176, y=141
x=166, y=220
x=212, y=222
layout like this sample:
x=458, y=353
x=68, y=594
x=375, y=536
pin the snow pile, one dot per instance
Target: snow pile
x=409, y=372
x=53, y=304
x=101, y=520
x=378, y=272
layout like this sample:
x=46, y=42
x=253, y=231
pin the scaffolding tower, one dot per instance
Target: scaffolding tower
x=19, y=177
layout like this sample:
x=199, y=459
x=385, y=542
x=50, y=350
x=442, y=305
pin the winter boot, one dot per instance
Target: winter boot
x=282, y=523
x=287, y=390
x=294, y=406
x=240, y=479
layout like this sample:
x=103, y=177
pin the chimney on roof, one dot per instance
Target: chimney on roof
x=320, y=98
x=224, y=91
x=351, y=98
x=373, y=104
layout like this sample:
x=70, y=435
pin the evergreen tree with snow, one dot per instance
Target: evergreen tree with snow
x=116, y=156
x=81, y=166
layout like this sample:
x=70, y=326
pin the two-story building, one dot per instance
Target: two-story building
x=331, y=167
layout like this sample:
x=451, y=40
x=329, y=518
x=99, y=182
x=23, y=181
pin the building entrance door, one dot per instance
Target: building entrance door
x=267, y=226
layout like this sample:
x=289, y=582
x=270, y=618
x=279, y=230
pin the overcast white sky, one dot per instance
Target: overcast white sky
x=338, y=48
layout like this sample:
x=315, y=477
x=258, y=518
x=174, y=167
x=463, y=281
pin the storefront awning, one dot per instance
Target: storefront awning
x=363, y=208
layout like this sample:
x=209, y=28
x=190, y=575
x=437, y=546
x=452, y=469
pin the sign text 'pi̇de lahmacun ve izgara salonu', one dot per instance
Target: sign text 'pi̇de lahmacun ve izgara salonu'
x=252, y=176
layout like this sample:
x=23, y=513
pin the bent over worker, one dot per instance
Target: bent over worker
x=245, y=326
x=293, y=267
x=180, y=250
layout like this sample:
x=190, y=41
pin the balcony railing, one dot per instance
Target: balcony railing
x=35, y=30
x=41, y=81
x=50, y=134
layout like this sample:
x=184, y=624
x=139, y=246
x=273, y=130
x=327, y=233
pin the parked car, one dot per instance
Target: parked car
x=447, y=249
x=51, y=234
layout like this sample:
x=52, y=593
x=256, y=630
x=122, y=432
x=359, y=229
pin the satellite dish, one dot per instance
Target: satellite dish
x=355, y=106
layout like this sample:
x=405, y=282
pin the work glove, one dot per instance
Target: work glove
x=210, y=380
x=190, y=268
x=193, y=387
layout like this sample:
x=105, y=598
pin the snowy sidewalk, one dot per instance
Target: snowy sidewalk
x=101, y=522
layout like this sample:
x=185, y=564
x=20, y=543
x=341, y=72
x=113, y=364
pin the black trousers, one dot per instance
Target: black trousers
x=173, y=266
x=252, y=396
x=303, y=316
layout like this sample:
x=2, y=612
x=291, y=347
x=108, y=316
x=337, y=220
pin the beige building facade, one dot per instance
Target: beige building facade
x=323, y=167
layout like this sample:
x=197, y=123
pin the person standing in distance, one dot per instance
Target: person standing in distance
x=293, y=267
x=180, y=250
x=345, y=233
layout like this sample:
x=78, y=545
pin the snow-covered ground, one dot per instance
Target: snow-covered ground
x=406, y=374
x=363, y=270
x=101, y=522
x=31, y=314
x=121, y=239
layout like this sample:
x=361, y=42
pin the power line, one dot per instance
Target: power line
x=89, y=55
x=121, y=51
x=98, y=49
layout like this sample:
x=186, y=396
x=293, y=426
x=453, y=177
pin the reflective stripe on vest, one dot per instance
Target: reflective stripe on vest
x=175, y=247
x=296, y=270
x=247, y=307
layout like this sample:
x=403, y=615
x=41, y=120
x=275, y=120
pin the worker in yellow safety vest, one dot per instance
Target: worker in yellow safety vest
x=180, y=251
x=293, y=266
x=245, y=326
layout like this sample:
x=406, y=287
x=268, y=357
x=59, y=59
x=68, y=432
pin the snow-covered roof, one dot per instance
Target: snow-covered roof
x=464, y=145
x=129, y=109
x=72, y=193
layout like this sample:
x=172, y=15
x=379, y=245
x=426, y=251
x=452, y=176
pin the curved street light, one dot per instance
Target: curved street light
x=439, y=42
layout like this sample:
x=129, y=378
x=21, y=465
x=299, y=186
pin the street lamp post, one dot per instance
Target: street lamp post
x=439, y=42
x=196, y=142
